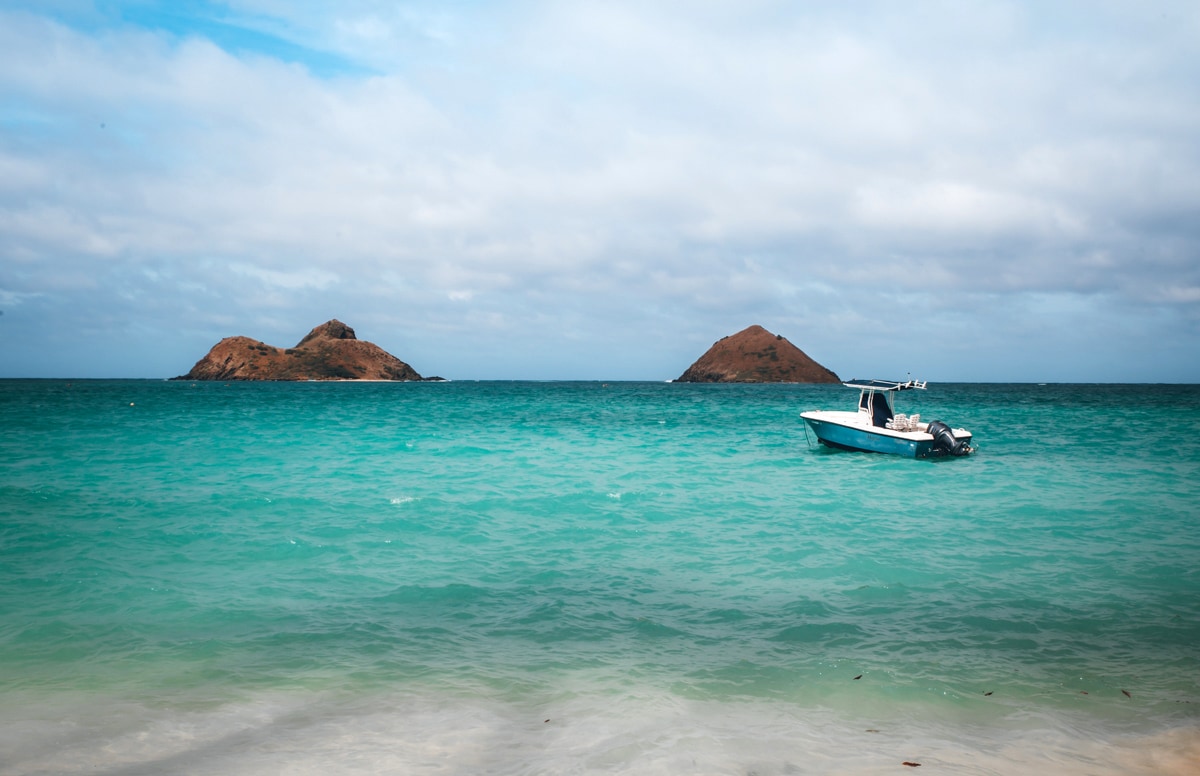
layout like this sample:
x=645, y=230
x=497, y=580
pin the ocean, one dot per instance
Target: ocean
x=592, y=578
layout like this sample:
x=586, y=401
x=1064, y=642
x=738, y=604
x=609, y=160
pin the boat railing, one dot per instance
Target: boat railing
x=887, y=385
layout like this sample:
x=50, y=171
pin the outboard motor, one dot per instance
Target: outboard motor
x=944, y=441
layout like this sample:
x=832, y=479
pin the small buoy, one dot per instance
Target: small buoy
x=130, y=404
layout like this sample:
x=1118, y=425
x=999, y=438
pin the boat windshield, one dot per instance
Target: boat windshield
x=881, y=413
x=877, y=406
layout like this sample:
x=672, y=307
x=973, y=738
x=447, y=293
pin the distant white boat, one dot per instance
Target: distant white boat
x=876, y=428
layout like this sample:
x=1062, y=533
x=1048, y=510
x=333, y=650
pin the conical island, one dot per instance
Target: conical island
x=755, y=355
x=328, y=352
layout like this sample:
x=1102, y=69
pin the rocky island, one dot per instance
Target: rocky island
x=755, y=355
x=328, y=352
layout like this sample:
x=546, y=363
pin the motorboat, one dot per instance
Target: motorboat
x=875, y=427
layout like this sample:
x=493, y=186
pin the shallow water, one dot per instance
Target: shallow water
x=590, y=578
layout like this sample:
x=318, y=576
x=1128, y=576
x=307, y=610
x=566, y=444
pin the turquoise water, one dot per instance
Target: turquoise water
x=593, y=578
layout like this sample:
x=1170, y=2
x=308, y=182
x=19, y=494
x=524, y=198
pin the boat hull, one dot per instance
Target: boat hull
x=849, y=433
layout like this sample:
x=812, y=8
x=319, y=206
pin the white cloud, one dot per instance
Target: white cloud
x=599, y=170
x=287, y=281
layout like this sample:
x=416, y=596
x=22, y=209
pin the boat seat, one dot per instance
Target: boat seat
x=904, y=422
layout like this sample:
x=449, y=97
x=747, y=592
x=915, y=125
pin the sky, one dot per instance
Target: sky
x=960, y=191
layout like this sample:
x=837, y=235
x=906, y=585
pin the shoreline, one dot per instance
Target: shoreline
x=594, y=733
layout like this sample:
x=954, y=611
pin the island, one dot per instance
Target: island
x=331, y=351
x=755, y=355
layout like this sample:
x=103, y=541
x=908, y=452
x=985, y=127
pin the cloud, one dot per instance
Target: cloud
x=529, y=173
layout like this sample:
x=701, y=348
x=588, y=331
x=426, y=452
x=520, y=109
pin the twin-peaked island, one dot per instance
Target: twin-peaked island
x=331, y=351
x=328, y=352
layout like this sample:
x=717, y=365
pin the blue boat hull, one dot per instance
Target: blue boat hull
x=871, y=441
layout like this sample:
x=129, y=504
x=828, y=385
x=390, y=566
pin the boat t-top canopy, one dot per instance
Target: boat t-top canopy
x=885, y=385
